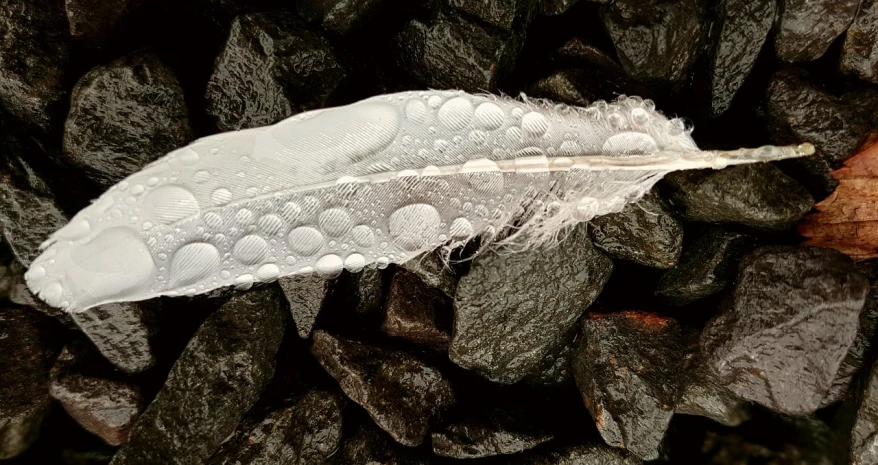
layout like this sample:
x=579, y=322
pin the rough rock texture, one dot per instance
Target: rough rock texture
x=779, y=440
x=579, y=454
x=859, y=56
x=554, y=369
x=306, y=295
x=417, y=313
x=401, y=394
x=34, y=52
x=121, y=332
x=95, y=21
x=556, y=7
x=217, y=378
x=27, y=219
x=369, y=445
x=646, y=233
x=741, y=29
x=434, y=272
x=271, y=68
x=306, y=432
x=369, y=288
x=489, y=433
x=628, y=367
x=655, y=39
x=808, y=27
x=701, y=394
x=859, y=421
x=783, y=334
x=707, y=266
x=25, y=361
x=124, y=115
x=19, y=294
x=759, y=196
x=339, y=16
x=858, y=357
x=104, y=404
x=511, y=309
x=504, y=14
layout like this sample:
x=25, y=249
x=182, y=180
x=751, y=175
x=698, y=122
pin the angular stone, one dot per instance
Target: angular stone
x=565, y=86
x=505, y=14
x=554, y=371
x=369, y=285
x=759, y=196
x=781, y=337
x=433, y=271
x=859, y=56
x=707, y=266
x=857, y=357
x=859, y=420
x=121, y=332
x=34, y=54
x=217, y=378
x=306, y=295
x=512, y=309
x=493, y=432
x=306, y=432
x=645, y=232
x=27, y=219
x=808, y=27
x=104, y=404
x=701, y=394
x=579, y=454
x=369, y=445
x=256, y=85
x=340, y=16
x=401, y=394
x=628, y=369
x=656, y=40
x=19, y=294
x=742, y=27
x=95, y=21
x=417, y=313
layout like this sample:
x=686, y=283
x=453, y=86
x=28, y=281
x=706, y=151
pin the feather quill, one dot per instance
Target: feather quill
x=369, y=184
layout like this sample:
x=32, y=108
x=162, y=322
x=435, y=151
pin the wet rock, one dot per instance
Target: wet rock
x=217, y=378
x=656, y=40
x=339, y=16
x=556, y=7
x=25, y=361
x=306, y=295
x=579, y=454
x=123, y=116
x=105, y=404
x=256, y=85
x=859, y=420
x=95, y=21
x=701, y=394
x=417, y=313
x=742, y=27
x=793, y=316
x=857, y=357
x=34, y=53
x=27, y=219
x=369, y=445
x=808, y=27
x=19, y=294
x=628, y=369
x=497, y=431
x=781, y=441
x=454, y=53
x=306, y=432
x=565, y=86
x=859, y=56
x=369, y=288
x=505, y=14
x=759, y=196
x=434, y=272
x=554, y=370
x=401, y=394
x=707, y=266
x=121, y=332
x=646, y=233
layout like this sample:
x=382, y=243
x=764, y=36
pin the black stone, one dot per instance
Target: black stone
x=306, y=432
x=253, y=85
x=433, y=270
x=702, y=394
x=808, y=27
x=579, y=454
x=759, y=196
x=554, y=370
x=306, y=295
x=707, y=266
x=401, y=394
x=628, y=368
x=512, y=309
x=217, y=378
x=94, y=22
x=121, y=331
x=27, y=220
x=505, y=14
x=497, y=431
x=564, y=86
x=19, y=294
x=858, y=55
x=556, y=7
x=781, y=337
x=123, y=116
x=646, y=233
x=340, y=16
x=369, y=289
x=370, y=445
x=858, y=420
x=778, y=440
x=417, y=313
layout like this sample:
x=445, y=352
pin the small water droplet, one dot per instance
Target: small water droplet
x=329, y=266
x=250, y=250
x=305, y=240
x=354, y=262
x=153, y=181
x=200, y=177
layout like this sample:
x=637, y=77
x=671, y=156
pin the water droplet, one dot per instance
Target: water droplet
x=35, y=273
x=416, y=111
x=214, y=151
x=630, y=143
x=252, y=191
x=52, y=294
x=514, y=134
x=440, y=145
x=244, y=282
x=187, y=156
x=122, y=185
x=225, y=274
x=431, y=171
x=570, y=147
x=489, y=116
x=76, y=229
x=244, y=216
x=354, y=262
x=250, y=250
x=363, y=236
x=213, y=220
x=335, y=222
x=382, y=262
x=534, y=124
x=329, y=266
x=268, y=272
x=587, y=208
x=639, y=116
x=137, y=189
x=517, y=113
x=414, y=226
x=270, y=224
x=168, y=204
x=291, y=211
x=649, y=105
x=305, y=240
x=146, y=225
x=456, y=113
x=616, y=120
x=434, y=101
x=478, y=137
x=200, y=177
x=153, y=181
x=221, y=196
x=461, y=228
x=193, y=262
x=130, y=201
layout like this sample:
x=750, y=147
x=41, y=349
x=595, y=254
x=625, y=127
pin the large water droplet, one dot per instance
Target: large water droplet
x=52, y=294
x=456, y=113
x=489, y=116
x=329, y=266
x=363, y=236
x=213, y=220
x=168, y=204
x=187, y=156
x=192, y=263
x=250, y=250
x=271, y=224
x=354, y=262
x=244, y=282
x=268, y=272
x=200, y=177
x=221, y=196
x=416, y=111
x=244, y=216
x=414, y=226
x=335, y=222
x=77, y=229
x=461, y=228
x=305, y=240
x=534, y=124
x=630, y=143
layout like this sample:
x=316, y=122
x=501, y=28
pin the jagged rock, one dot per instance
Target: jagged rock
x=565, y=86
x=808, y=27
x=858, y=421
x=434, y=272
x=512, y=309
x=217, y=378
x=369, y=288
x=628, y=368
x=554, y=370
x=493, y=432
x=27, y=219
x=781, y=337
x=369, y=445
x=701, y=394
x=417, y=313
x=401, y=394
x=121, y=332
x=505, y=14
x=859, y=56
x=306, y=295
x=256, y=85
x=339, y=16
x=579, y=454
x=19, y=294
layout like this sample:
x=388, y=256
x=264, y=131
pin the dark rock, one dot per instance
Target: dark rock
x=505, y=14
x=306, y=295
x=454, y=53
x=371, y=446
x=369, y=287
x=95, y=21
x=555, y=370
x=497, y=431
x=25, y=361
x=217, y=378
x=656, y=40
x=858, y=356
x=123, y=116
x=556, y=7
x=708, y=265
x=19, y=294
x=121, y=332
x=858, y=56
x=645, y=232
x=271, y=68
x=565, y=86
x=701, y=394
x=306, y=432
x=780, y=441
x=401, y=394
x=859, y=420
x=628, y=368
x=417, y=313
x=105, y=405
x=512, y=309
x=18, y=153
x=339, y=16
x=793, y=316
x=27, y=219
x=742, y=27
x=808, y=27
x=579, y=454
x=8, y=281
x=34, y=53
x=433, y=271
x=759, y=196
